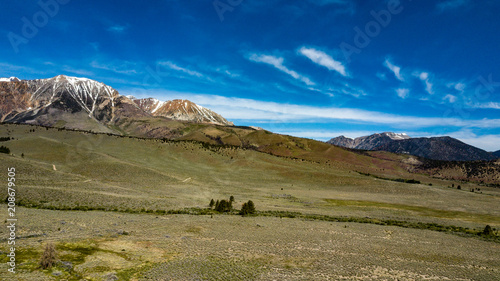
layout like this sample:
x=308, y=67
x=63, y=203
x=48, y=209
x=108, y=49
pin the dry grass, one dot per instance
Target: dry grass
x=127, y=175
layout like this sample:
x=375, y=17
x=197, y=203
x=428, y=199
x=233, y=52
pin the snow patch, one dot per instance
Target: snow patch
x=11, y=79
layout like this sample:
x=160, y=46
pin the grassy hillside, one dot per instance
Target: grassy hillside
x=325, y=194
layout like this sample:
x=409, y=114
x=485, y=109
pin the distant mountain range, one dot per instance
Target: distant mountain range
x=437, y=148
x=370, y=142
x=81, y=103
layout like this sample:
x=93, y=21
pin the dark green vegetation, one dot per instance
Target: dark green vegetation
x=248, y=208
x=391, y=179
x=130, y=207
x=4, y=149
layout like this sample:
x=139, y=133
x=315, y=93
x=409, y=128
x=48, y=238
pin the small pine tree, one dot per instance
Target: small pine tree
x=231, y=199
x=488, y=231
x=247, y=208
x=49, y=256
x=251, y=207
x=212, y=203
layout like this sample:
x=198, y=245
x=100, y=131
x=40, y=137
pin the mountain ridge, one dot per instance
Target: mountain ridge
x=65, y=100
x=436, y=148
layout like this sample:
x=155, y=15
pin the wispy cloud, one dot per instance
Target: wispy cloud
x=457, y=86
x=424, y=77
x=403, y=93
x=450, y=98
x=175, y=67
x=487, y=142
x=487, y=105
x=395, y=69
x=118, y=28
x=347, y=89
x=83, y=72
x=451, y=4
x=124, y=67
x=321, y=58
x=381, y=76
x=261, y=111
x=277, y=62
x=9, y=69
x=228, y=73
x=342, y=6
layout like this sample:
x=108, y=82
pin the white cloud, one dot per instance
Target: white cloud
x=488, y=105
x=175, y=67
x=323, y=59
x=83, y=72
x=123, y=67
x=402, y=93
x=118, y=28
x=428, y=87
x=225, y=70
x=260, y=111
x=395, y=69
x=9, y=69
x=450, y=98
x=347, y=89
x=460, y=87
x=451, y=4
x=424, y=77
x=278, y=63
x=486, y=142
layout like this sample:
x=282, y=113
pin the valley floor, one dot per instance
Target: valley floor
x=104, y=245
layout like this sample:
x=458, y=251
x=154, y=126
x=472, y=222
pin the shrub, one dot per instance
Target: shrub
x=488, y=231
x=4, y=149
x=48, y=257
x=247, y=208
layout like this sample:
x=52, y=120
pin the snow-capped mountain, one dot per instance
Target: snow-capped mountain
x=11, y=79
x=181, y=110
x=72, y=102
x=438, y=148
x=368, y=142
x=82, y=103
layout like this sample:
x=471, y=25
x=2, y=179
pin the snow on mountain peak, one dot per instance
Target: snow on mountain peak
x=10, y=79
x=396, y=136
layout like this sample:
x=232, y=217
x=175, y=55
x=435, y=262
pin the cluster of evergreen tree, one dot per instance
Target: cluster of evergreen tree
x=247, y=208
x=4, y=149
x=222, y=205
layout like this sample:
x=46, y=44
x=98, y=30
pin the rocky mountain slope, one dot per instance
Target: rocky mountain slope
x=437, y=148
x=367, y=142
x=85, y=104
x=496, y=153
x=180, y=110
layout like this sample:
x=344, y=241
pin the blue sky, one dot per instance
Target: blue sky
x=309, y=68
